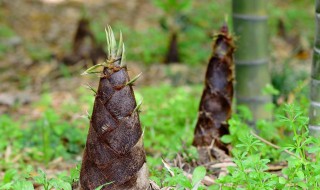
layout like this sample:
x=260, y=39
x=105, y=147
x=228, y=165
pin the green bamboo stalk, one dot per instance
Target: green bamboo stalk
x=314, y=111
x=251, y=56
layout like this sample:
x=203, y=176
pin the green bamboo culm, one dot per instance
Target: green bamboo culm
x=251, y=56
x=314, y=111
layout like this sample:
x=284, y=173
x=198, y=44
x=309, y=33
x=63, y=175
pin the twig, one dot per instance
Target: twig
x=223, y=165
x=272, y=168
x=273, y=145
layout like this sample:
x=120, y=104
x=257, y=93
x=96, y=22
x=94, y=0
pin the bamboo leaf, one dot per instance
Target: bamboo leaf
x=198, y=174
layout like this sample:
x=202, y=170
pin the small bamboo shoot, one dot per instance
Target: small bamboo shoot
x=216, y=100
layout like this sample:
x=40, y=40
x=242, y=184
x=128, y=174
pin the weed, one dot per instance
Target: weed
x=168, y=117
x=175, y=177
x=251, y=171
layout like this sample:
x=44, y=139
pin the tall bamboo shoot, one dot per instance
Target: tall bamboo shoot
x=114, y=155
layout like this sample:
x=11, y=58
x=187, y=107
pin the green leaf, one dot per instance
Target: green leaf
x=282, y=180
x=214, y=187
x=23, y=185
x=9, y=175
x=226, y=138
x=60, y=184
x=183, y=181
x=41, y=178
x=303, y=185
x=75, y=173
x=198, y=174
x=270, y=90
x=6, y=186
x=300, y=174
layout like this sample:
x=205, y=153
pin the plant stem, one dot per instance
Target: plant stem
x=273, y=145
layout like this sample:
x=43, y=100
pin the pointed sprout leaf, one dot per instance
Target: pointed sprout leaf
x=113, y=43
x=120, y=45
x=111, y=40
x=108, y=42
x=92, y=69
x=133, y=80
x=123, y=57
x=138, y=106
x=106, y=31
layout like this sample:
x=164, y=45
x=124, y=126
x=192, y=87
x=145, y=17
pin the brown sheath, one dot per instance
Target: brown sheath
x=216, y=100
